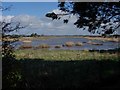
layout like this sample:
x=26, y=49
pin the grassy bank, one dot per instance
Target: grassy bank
x=65, y=55
x=46, y=69
x=113, y=39
x=87, y=37
x=23, y=38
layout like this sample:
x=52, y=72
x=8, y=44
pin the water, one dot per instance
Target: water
x=61, y=41
x=0, y=43
x=58, y=41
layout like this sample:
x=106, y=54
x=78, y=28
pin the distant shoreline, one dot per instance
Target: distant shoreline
x=29, y=38
x=87, y=37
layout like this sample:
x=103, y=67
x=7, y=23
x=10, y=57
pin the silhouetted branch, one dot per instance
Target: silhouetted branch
x=5, y=8
x=91, y=14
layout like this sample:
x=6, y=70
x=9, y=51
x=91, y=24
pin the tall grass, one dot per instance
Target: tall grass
x=25, y=47
x=65, y=55
x=78, y=44
x=43, y=46
x=69, y=44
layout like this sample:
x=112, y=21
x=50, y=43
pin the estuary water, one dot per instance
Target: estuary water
x=105, y=45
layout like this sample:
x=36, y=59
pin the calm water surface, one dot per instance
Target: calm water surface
x=61, y=41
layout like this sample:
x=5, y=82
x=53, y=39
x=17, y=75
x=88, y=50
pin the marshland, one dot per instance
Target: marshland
x=65, y=45
x=68, y=42
x=63, y=62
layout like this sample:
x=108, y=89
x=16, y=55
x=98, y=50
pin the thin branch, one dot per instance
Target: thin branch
x=5, y=8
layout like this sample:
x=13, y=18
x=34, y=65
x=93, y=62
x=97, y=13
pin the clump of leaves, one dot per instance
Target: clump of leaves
x=99, y=17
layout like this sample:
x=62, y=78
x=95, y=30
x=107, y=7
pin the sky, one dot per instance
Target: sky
x=32, y=15
x=60, y=0
x=31, y=8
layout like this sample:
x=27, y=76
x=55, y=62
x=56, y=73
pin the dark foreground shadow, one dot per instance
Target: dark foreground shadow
x=42, y=74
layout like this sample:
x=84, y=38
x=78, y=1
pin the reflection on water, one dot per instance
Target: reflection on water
x=61, y=41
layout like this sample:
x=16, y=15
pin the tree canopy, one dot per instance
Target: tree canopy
x=99, y=17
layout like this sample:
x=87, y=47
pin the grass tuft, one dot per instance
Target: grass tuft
x=69, y=44
x=78, y=44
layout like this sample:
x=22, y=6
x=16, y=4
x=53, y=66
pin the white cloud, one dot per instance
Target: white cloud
x=6, y=18
x=47, y=26
x=31, y=21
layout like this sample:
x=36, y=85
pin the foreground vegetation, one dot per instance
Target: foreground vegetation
x=37, y=73
x=43, y=68
x=66, y=55
x=60, y=69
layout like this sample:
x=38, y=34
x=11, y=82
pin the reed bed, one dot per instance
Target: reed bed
x=94, y=43
x=58, y=46
x=79, y=44
x=43, y=46
x=25, y=47
x=69, y=44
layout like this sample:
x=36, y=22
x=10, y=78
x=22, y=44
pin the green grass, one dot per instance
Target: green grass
x=45, y=69
x=64, y=55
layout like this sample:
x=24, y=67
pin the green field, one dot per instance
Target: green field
x=61, y=69
x=65, y=55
